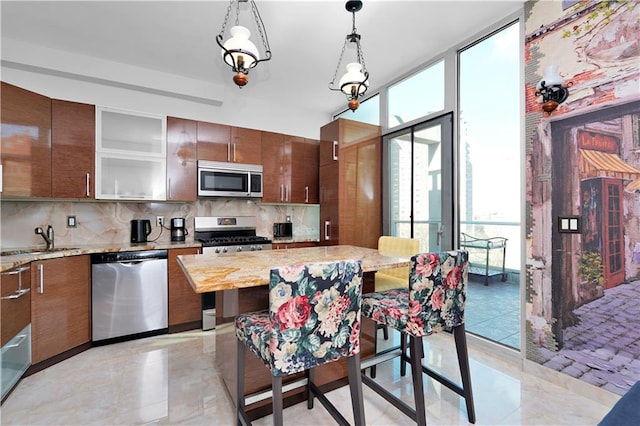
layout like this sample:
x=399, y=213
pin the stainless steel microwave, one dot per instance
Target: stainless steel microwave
x=219, y=179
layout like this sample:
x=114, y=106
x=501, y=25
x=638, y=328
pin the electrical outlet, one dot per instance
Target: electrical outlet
x=159, y=220
x=71, y=222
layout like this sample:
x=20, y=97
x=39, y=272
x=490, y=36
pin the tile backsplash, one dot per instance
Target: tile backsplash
x=109, y=222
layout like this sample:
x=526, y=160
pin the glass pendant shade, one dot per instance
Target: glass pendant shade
x=551, y=77
x=240, y=41
x=353, y=77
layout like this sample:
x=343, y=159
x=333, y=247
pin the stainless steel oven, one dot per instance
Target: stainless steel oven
x=218, y=179
x=226, y=234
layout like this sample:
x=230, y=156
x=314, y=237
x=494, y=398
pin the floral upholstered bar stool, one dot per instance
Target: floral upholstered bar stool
x=313, y=319
x=433, y=301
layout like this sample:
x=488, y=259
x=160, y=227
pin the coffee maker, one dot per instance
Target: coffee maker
x=178, y=229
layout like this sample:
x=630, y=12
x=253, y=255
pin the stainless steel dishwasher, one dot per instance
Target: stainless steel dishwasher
x=129, y=294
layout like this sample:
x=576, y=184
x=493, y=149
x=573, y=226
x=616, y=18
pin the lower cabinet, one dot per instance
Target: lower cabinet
x=185, y=305
x=15, y=316
x=284, y=246
x=60, y=305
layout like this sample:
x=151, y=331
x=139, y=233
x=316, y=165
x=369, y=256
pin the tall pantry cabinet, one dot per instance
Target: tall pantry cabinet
x=350, y=184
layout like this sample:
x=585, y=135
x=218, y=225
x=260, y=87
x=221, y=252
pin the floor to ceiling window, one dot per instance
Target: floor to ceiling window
x=419, y=181
x=490, y=184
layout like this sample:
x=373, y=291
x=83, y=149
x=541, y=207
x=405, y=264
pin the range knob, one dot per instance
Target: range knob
x=224, y=249
x=217, y=250
x=239, y=248
x=259, y=248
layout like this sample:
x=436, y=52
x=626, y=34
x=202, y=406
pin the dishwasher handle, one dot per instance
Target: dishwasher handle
x=128, y=256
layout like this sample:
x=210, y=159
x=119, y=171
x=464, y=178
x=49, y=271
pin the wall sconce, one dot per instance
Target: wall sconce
x=552, y=90
x=354, y=83
x=238, y=51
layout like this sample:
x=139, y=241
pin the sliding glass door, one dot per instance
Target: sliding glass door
x=418, y=189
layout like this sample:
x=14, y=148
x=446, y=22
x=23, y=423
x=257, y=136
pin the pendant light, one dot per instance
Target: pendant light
x=355, y=82
x=239, y=52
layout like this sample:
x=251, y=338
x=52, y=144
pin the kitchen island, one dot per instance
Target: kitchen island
x=241, y=280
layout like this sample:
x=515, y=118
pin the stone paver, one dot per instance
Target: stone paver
x=604, y=349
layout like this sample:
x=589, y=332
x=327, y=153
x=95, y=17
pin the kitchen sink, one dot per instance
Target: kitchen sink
x=35, y=251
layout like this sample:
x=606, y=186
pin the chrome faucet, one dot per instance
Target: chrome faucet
x=48, y=237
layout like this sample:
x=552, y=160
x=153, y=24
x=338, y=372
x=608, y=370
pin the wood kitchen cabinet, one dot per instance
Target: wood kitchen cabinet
x=182, y=165
x=350, y=184
x=290, y=169
x=214, y=141
x=304, y=171
x=15, y=306
x=246, y=145
x=276, y=167
x=60, y=305
x=73, y=132
x=285, y=246
x=185, y=305
x=25, y=148
x=217, y=142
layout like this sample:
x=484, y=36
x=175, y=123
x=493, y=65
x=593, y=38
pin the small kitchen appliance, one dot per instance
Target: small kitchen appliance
x=140, y=230
x=219, y=179
x=178, y=229
x=283, y=230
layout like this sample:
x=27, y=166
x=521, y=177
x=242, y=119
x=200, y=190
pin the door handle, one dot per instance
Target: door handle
x=41, y=273
x=18, y=294
x=439, y=234
x=335, y=150
x=19, y=342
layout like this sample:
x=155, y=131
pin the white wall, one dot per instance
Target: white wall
x=63, y=75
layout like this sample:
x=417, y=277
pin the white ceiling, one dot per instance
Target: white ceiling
x=306, y=37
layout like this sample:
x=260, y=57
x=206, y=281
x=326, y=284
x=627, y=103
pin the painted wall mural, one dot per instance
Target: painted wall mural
x=583, y=161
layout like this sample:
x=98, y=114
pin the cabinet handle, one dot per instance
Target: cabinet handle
x=20, y=340
x=18, y=294
x=88, y=189
x=17, y=271
x=229, y=151
x=169, y=189
x=281, y=192
x=306, y=194
x=234, y=152
x=327, y=226
x=286, y=193
x=335, y=150
x=41, y=284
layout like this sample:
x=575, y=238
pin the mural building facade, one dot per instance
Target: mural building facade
x=583, y=162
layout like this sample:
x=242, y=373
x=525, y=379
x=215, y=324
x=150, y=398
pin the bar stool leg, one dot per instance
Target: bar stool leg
x=460, y=338
x=276, y=399
x=240, y=416
x=355, y=385
x=415, y=345
x=403, y=350
x=310, y=395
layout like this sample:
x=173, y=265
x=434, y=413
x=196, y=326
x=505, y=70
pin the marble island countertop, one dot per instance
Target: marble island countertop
x=15, y=257
x=214, y=272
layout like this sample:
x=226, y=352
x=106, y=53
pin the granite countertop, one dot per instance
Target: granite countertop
x=214, y=272
x=10, y=261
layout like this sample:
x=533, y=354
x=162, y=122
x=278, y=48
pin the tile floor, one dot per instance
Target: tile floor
x=172, y=380
x=493, y=311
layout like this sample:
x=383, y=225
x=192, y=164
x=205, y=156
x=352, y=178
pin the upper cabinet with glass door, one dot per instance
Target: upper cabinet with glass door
x=130, y=155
